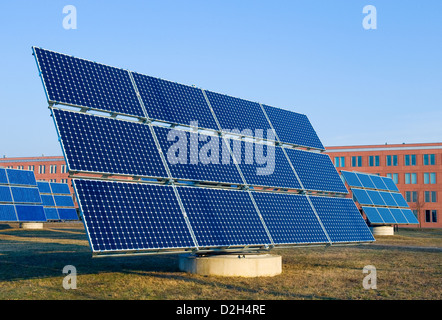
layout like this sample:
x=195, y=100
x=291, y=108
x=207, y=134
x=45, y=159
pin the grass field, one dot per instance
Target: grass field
x=408, y=266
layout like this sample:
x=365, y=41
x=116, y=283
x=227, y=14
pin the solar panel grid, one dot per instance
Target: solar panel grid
x=79, y=82
x=105, y=145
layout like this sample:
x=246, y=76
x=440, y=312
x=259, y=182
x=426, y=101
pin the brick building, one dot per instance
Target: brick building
x=415, y=168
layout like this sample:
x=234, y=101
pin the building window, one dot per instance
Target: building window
x=41, y=169
x=411, y=196
x=430, y=178
x=356, y=161
x=52, y=180
x=394, y=177
x=373, y=161
x=20, y=167
x=63, y=168
x=430, y=215
x=53, y=168
x=430, y=196
x=429, y=159
x=10, y=167
x=64, y=180
x=410, y=159
x=31, y=168
x=410, y=178
x=392, y=160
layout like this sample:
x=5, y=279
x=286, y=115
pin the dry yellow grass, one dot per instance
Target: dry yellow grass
x=31, y=264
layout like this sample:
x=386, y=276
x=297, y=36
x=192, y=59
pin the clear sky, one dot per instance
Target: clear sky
x=357, y=86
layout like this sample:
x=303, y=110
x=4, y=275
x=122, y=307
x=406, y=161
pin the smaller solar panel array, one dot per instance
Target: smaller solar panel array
x=23, y=199
x=379, y=198
x=57, y=201
x=20, y=199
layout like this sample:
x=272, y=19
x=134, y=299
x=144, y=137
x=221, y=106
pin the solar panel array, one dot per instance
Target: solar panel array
x=379, y=198
x=191, y=169
x=20, y=199
x=57, y=201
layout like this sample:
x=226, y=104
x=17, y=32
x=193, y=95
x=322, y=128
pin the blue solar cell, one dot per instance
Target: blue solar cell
x=399, y=198
x=67, y=213
x=409, y=215
x=105, y=145
x=63, y=201
x=222, y=217
x=389, y=183
x=378, y=182
x=373, y=215
x=341, y=219
x=131, y=216
x=289, y=218
x=3, y=176
x=351, y=178
x=388, y=199
x=264, y=165
x=60, y=188
x=7, y=212
x=362, y=196
x=5, y=194
x=366, y=181
x=197, y=157
x=238, y=114
x=386, y=215
x=292, y=127
x=73, y=81
x=31, y=213
x=25, y=195
x=48, y=200
x=316, y=171
x=44, y=187
x=376, y=197
x=398, y=215
x=21, y=177
x=173, y=102
x=51, y=214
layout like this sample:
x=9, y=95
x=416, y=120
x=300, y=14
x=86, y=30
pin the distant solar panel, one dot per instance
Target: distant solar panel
x=173, y=102
x=7, y=212
x=293, y=128
x=105, y=145
x=5, y=194
x=3, y=176
x=379, y=198
x=409, y=215
x=73, y=81
x=316, y=171
x=30, y=213
x=60, y=188
x=25, y=195
x=21, y=177
x=238, y=114
x=223, y=217
x=44, y=187
x=123, y=216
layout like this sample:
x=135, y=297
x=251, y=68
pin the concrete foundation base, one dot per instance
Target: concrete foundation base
x=232, y=265
x=382, y=231
x=31, y=225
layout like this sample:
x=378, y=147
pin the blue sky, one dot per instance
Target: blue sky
x=356, y=86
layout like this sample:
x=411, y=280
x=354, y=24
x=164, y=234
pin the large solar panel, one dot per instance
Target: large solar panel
x=292, y=220
x=124, y=216
x=197, y=157
x=241, y=195
x=379, y=198
x=223, y=218
x=238, y=114
x=99, y=144
x=20, y=199
x=316, y=171
x=341, y=219
x=293, y=128
x=173, y=102
x=78, y=82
